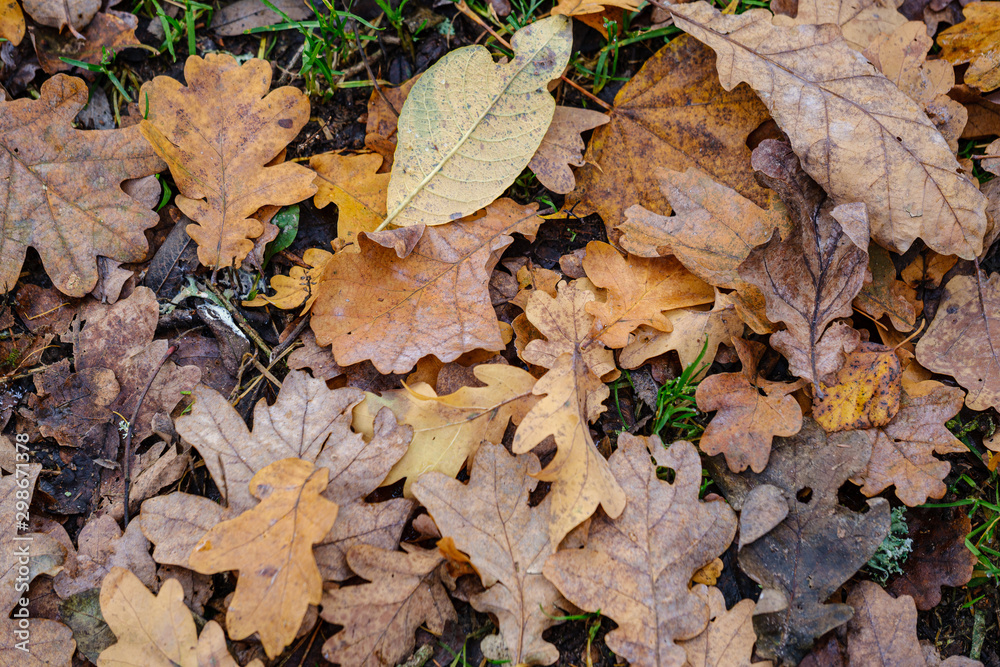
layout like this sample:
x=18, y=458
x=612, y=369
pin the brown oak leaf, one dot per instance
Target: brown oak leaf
x=218, y=134
x=636, y=568
x=939, y=557
x=860, y=21
x=103, y=546
x=507, y=542
x=885, y=295
x=729, y=638
x=109, y=32
x=562, y=146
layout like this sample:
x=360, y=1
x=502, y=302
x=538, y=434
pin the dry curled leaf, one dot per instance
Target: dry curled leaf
x=974, y=41
x=507, y=542
x=860, y=21
x=636, y=568
x=640, y=291
x=447, y=430
x=300, y=286
x=865, y=392
x=373, y=305
x=910, y=179
x=562, y=147
x=807, y=301
x=271, y=546
x=108, y=33
x=217, y=135
x=672, y=113
x=939, y=557
x=470, y=126
x=729, y=638
x=61, y=188
x=572, y=395
x=380, y=617
x=885, y=295
x=354, y=184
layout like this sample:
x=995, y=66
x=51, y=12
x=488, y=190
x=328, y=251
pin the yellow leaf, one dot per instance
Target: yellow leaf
x=353, y=183
x=470, y=126
x=299, y=285
x=866, y=393
x=975, y=41
x=11, y=21
x=271, y=545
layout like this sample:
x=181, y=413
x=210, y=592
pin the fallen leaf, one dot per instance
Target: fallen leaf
x=750, y=412
x=960, y=339
x=63, y=194
x=109, y=32
x=640, y=291
x=928, y=269
x=217, y=135
x=70, y=14
x=354, y=184
x=382, y=124
x=729, y=638
x=380, y=617
x=373, y=305
x=245, y=15
x=883, y=630
x=11, y=22
x=300, y=286
x=376, y=524
x=865, y=393
x=817, y=547
x=103, y=546
x=82, y=613
x=507, y=542
x=911, y=181
x=885, y=295
x=578, y=7
x=974, y=41
x=470, y=126
x=317, y=359
x=672, y=113
x=448, y=430
x=806, y=301
x=860, y=21
x=903, y=450
x=636, y=568
x=562, y=147
x=712, y=231
x=939, y=557
x=74, y=409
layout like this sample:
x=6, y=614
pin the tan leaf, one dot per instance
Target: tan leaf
x=271, y=546
x=299, y=286
x=885, y=295
x=806, y=301
x=101, y=547
x=380, y=617
x=579, y=7
x=865, y=393
x=562, y=146
x=910, y=179
x=61, y=189
x=380, y=129
x=374, y=305
x=447, y=430
x=11, y=21
x=353, y=183
x=470, y=126
x=176, y=521
x=640, y=291
x=928, y=269
x=883, y=630
x=963, y=340
x=974, y=41
x=729, y=638
x=377, y=524
x=903, y=450
x=217, y=133
x=507, y=542
x=672, y=113
x=70, y=14
x=860, y=21
x=636, y=568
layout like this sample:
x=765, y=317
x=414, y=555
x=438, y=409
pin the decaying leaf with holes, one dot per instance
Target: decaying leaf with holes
x=301, y=285
x=974, y=41
x=562, y=147
x=507, y=542
x=865, y=393
x=354, y=184
x=470, y=126
x=894, y=160
x=636, y=568
x=827, y=240
x=271, y=547
x=379, y=618
x=640, y=292
x=217, y=133
x=448, y=430
x=375, y=306
x=817, y=547
x=572, y=395
x=61, y=189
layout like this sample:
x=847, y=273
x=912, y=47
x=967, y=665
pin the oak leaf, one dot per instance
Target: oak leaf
x=939, y=557
x=910, y=182
x=825, y=242
x=562, y=146
x=580, y=7
x=729, y=638
x=354, y=184
x=974, y=41
x=860, y=21
x=217, y=135
x=470, y=126
x=885, y=295
x=448, y=430
x=271, y=546
x=109, y=32
x=750, y=412
x=11, y=21
x=640, y=291
x=70, y=14
x=102, y=547
x=61, y=188
x=300, y=286
x=373, y=305
x=507, y=542
x=636, y=568
x=672, y=113
x=817, y=547
x=865, y=393
x=380, y=617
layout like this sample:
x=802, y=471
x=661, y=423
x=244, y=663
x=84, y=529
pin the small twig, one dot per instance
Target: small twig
x=368, y=68
x=131, y=427
x=288, y=342
x=241, y=321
